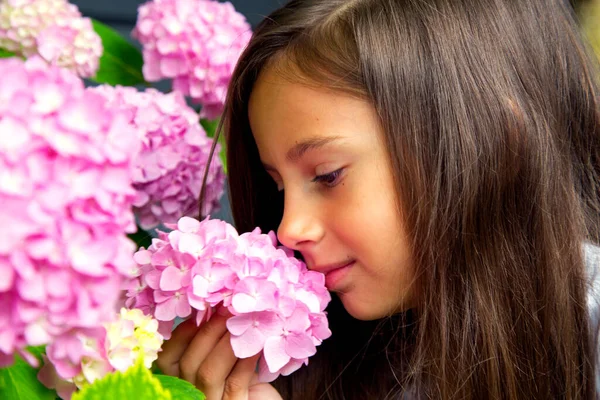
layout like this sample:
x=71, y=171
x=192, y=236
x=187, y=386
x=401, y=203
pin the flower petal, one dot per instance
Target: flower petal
x=275, y=354
x=243, y=303
x=299, y=346
x=170, y=279
x=239, y=324
x=248, y=344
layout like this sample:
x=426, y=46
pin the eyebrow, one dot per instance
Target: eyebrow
x=305, y=146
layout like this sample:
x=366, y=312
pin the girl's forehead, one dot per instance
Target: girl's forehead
x=276, y=100
x=283, y=81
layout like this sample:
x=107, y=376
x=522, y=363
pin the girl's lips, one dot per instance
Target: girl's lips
x=334, y=277
x=325, y=269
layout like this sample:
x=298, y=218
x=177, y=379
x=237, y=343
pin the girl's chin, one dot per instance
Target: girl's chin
x=363, y=311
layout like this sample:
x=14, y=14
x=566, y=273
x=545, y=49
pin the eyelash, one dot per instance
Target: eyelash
x=329, y=180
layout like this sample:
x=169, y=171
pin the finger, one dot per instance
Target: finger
x=238, y=382
x=173, y=349
x=216, y=367
x=207, y=337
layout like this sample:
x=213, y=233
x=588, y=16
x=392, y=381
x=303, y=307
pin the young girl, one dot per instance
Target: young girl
x=439, y=161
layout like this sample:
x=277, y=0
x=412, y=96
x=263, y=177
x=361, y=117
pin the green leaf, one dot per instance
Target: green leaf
x=223, y=153
x=19, y=382
x=6, y=53
x=121, y=62
x=135, y=383
x=211, y=128
x=141, y=238
x=179, y=388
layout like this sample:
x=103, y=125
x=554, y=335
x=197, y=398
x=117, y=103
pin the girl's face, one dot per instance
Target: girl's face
x=326, y=151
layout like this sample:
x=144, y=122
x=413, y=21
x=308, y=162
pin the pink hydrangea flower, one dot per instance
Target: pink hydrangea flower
x=278, y=305
x=196, y=43
x=178, y=261
x=52, y=29
x=170, y=167
x=66, y=194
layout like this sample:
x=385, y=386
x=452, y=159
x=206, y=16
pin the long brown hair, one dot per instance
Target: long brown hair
x=491, y=118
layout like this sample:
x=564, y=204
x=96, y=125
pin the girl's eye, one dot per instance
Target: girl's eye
x=331, y=179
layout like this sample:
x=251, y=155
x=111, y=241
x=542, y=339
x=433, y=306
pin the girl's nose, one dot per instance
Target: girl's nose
x=300, y=226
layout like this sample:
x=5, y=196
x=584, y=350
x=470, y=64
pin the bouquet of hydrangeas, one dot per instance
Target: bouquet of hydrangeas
x=84, y=170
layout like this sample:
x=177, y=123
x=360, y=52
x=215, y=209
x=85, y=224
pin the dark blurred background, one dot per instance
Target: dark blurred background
x=121, y=14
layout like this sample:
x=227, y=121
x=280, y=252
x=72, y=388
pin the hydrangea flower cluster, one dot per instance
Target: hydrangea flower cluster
x=53, y=29
x=196, y=43
x=276, y=302
x=175, y=151
x=131, y=336
x=66, y=195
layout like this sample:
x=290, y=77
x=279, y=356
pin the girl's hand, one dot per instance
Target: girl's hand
x=204, y=357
